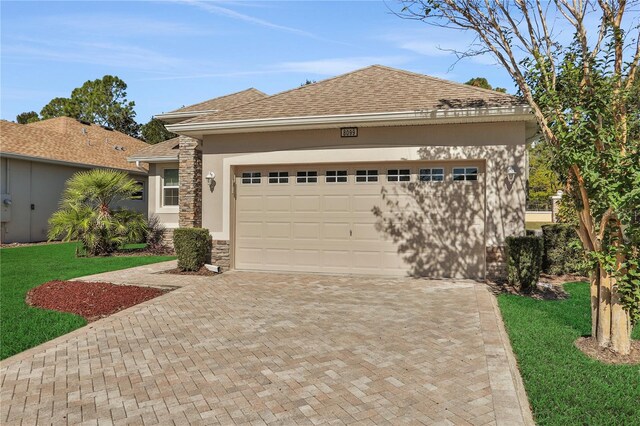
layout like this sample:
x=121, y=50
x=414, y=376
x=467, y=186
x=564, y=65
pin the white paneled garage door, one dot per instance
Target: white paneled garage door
x=320, y=218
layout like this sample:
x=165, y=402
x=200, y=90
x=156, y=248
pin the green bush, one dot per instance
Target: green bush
x=524, y=262
x=563, y=252
x=193, y=247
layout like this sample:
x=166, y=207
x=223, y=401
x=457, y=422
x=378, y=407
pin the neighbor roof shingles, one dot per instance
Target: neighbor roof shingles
x=62, y=139
x=374, y=89
x=167, y=149
x=225, y=102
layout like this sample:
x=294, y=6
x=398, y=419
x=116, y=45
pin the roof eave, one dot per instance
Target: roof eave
x=69, y=163
x=152, y=159
x=403, y=118
x=175, y=117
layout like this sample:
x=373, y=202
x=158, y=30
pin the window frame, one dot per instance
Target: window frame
x=398, y=176
x=466, y=175
x=303, y=177
x=431, y=174
x=282, y=177
x=165, y=187
x=141, y=192
x=368, y=176
x=253, y=178
x=336, y=176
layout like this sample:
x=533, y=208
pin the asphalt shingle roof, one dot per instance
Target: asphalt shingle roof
x=374, y=89
x=225, y=102
x=166, y=149
x=66, y=139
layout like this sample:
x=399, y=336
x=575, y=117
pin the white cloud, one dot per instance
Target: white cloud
x=96, y=53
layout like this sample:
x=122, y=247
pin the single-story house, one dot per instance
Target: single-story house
x=377, y=171
x=37, y=159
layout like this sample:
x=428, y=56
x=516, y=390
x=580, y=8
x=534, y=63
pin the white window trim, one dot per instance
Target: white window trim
x=287, y=177
x=306, y=177
x=477, y=174
x=399, y=175
x=366, y=176
x=160, y=207
x=443, y=174
x=336, y=177
x=251, y=177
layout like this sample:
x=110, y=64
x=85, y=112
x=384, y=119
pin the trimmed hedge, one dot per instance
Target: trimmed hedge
x=193, y=247
x=561, y=253
x=524, y=262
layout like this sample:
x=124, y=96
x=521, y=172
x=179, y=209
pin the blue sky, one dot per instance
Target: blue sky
x=175, y=53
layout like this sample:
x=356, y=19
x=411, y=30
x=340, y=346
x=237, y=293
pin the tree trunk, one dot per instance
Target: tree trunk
x=610, y=322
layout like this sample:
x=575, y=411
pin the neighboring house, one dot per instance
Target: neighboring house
x=302, y=180
x=37, y=159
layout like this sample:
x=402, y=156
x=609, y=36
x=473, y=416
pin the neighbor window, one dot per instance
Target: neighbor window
x=139, y=194
x=431, y=175
x=170, y=187
x=249, y=178
x=335, y=176
x=278, y=177
x=398, y=175
x=366, y=175
x=465, y=173
x=307, y=177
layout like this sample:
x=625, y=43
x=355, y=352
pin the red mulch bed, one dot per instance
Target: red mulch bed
x=90, y=300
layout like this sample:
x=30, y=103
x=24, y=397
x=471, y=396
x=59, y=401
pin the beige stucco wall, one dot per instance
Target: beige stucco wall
x=40, y=184
x=539, y=216
x=500, y=144
x=168, y=216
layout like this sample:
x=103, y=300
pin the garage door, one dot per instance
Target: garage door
x=424, y=219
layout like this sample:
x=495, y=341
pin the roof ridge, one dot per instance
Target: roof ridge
x=304, y=86
x=445, y=81
x=250, y=89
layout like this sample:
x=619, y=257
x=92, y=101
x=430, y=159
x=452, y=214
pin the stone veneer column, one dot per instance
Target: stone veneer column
x=190, y=173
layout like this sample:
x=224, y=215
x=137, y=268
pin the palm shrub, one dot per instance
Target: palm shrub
x=87, y=215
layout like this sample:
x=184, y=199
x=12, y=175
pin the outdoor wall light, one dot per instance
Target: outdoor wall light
x=511, y=174
x=210, y=177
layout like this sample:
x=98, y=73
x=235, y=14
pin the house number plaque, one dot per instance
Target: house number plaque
x=349, y=132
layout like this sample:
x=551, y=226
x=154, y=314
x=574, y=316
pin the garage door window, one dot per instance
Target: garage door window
x=307, y=177
x=170, y=187
x=249, y=178
x=366, y=176
x=398, y=175
x=278, y=177
x=336, y=176
x=431, y=175
x=465, y=173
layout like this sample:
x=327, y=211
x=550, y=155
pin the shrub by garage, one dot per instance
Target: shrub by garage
x=563, y=253
x=193, y=247
x=524, y=262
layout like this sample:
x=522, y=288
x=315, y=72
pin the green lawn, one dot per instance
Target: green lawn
x=23, y=268
x=534, y=226
x=564, y=386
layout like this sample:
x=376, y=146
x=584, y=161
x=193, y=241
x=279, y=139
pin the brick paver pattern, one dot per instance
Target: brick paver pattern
x=254, y=348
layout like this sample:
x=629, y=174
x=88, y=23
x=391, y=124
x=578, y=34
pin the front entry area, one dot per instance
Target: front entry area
x=392, y=219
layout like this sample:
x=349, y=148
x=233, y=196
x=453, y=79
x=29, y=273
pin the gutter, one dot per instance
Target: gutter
x=152, y=159
x=67, y=163
x=462, y=115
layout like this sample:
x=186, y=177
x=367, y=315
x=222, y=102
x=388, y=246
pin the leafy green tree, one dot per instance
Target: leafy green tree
x=27, y=117
x=87, y=214
x=543, y=181
x=101, y=101
x=154, y=132
x=584, y=95
x=484, y=84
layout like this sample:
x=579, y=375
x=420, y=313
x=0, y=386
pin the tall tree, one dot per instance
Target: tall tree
x=101, y=101
x=484, y=83
x=584, y=95
x=27, y=117
x=154, y=132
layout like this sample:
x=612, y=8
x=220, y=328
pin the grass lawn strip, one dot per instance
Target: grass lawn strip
x=565, y=386
x=23, y=268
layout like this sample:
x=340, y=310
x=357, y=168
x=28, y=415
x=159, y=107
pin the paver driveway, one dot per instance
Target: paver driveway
x=276, y=348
